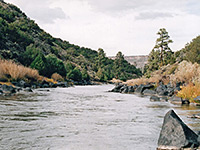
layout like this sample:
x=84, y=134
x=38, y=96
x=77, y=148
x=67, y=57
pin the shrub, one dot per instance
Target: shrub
x=9, y=70
x=57, y=77
x=75, y=74
x=29, y=55
x=40, y=64
x=85, y=75
x=54, y=65
x=190, y=92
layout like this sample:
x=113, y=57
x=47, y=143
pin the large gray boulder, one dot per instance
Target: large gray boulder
x=142, y=87
x=175, y=134
x=117, y=88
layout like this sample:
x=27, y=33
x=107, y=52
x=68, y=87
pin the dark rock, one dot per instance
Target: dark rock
x=142, y=87
x=175, y=134
x=8, y=89
x=177, y=89
x=196, y=116
x=117, y=88
x=54, y=85
x=154, y=98
x=34, y=86
x=1, y=92
x=163, y=98
x=22, y=84
x=18, y=89
x=162, y=90
x=131, y=89
x=170, y=91
x=149, y=92
x=175, y=100
x=178, y=100
x=62, y=84
x=45, y=86
x=123, y=89
x=28, y=89
x=185, y=101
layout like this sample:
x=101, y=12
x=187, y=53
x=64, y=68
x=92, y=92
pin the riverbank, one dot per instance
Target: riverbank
x=157, y=92
x=10, y=88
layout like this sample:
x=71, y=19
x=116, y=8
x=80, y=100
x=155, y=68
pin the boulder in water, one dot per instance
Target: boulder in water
x=175, y=134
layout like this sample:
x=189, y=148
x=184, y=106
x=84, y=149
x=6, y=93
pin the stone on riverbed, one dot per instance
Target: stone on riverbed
x=175, y=134
x=196, y=116
x=178, y=100
x=154, y=98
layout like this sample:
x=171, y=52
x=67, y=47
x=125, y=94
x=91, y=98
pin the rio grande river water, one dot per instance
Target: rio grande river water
x=84, y=118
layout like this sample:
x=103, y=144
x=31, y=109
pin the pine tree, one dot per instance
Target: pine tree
x=162, y=46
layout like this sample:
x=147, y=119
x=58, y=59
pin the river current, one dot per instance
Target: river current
x=84, y=118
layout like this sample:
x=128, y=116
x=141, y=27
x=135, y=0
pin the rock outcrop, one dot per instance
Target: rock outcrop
x=176, y=135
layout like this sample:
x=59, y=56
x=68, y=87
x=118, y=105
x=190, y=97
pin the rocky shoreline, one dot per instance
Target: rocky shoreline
x=8, y=89
x=156, y=92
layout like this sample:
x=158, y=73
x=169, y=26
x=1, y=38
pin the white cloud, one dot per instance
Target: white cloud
x=42, y=11
x=153, y=15
x=129, y=26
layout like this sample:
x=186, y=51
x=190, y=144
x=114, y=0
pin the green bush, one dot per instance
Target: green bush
x=55, y=65
x=85, y=75
x=40, y=64
x=75, y=74
x=29, y=55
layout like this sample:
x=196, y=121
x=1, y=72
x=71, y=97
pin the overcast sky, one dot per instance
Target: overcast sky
x=129, y=26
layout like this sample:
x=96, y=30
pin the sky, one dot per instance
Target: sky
x=129, y=26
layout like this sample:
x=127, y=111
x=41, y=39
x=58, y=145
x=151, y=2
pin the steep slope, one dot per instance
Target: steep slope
x=22, y=40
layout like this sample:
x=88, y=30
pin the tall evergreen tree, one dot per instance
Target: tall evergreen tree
x=162, y=46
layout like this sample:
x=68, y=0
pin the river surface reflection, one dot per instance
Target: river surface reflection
x=84, y=118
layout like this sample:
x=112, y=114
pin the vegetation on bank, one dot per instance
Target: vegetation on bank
x=23, y=41
x=11, y=71
x=168, y=67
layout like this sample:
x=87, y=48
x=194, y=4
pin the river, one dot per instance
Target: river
x=84, y=118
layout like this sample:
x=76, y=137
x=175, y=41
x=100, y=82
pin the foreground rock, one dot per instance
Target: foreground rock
x=176, y=135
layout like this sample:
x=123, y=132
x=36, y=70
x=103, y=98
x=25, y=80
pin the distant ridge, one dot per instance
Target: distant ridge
x=138, y=61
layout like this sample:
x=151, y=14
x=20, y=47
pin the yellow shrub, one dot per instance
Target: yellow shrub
x=50, y=80
x=189, y=91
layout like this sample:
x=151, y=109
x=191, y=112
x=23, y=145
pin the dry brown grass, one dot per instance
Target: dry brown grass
x=143, y=80
x=57, y=77
x=9, y=70
x=116, y=80
x=186, y=72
